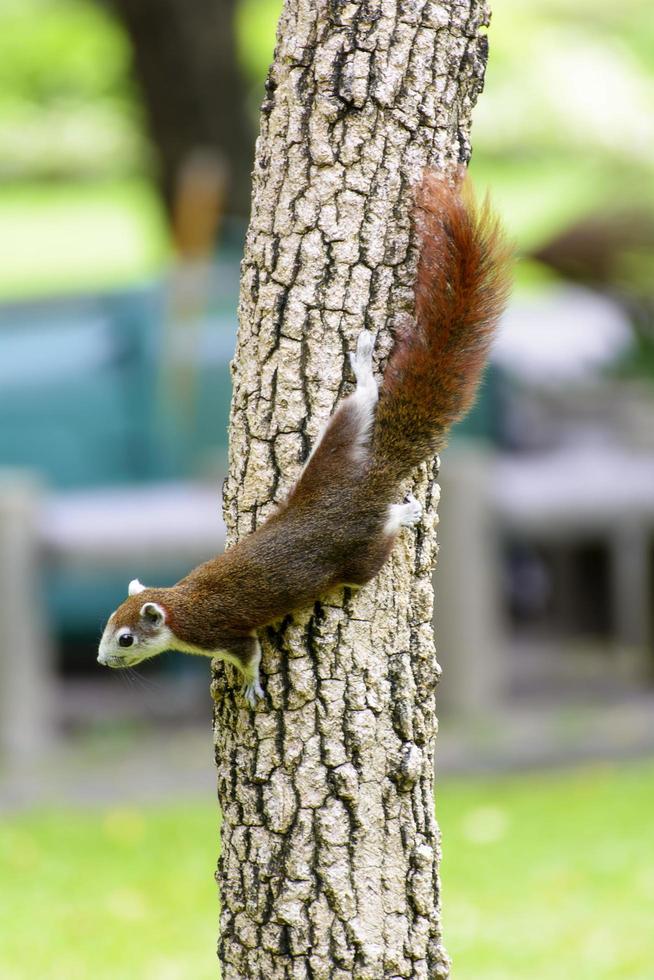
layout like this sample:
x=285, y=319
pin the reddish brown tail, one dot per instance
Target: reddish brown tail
x=462, y=287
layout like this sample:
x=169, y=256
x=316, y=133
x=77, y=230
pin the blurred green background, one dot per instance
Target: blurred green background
x=564, y=127
x=544, y=876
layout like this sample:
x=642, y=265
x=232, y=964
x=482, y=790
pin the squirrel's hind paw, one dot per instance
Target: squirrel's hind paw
x=361, y=359
x=365, y=345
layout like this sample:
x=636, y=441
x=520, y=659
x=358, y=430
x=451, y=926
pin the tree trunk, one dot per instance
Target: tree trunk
x=195, y=98
x=329, y=865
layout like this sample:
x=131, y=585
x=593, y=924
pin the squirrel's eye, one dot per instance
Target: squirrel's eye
x=125, y=640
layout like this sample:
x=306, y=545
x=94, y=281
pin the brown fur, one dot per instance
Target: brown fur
x=330, y=529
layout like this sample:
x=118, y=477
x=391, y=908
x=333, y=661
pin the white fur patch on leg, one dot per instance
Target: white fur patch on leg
x=361, y=362
x=403, y=515
x=364, y=398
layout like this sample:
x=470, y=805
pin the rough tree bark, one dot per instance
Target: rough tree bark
x=330, y=848
x=194, y=95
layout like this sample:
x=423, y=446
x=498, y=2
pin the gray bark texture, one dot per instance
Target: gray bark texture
x=330, y=848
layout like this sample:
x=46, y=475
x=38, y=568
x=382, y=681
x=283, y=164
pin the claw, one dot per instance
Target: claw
x=361, y=360
x=403, y=515
x=412, y=512
x=252, y=692
x=365, y=344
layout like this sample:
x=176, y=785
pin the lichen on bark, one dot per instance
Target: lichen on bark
x=330, y=848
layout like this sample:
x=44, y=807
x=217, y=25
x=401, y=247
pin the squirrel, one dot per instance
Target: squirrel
x=338, y=524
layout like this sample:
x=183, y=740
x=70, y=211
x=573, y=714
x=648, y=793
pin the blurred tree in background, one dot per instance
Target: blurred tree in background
x=186, y=62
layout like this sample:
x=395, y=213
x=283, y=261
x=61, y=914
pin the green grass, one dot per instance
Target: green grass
x=548, y=876
x=120, y=893
x=79, y=236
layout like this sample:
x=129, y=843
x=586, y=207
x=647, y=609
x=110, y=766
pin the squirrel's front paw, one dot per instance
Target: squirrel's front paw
x=403, y=515
x=252, y=692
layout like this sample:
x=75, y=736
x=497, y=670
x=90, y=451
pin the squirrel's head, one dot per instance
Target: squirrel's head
x=136, y=630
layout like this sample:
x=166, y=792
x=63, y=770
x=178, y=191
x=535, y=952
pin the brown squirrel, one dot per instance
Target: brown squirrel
x=339, y=522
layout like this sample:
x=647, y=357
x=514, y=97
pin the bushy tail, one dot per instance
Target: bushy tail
x=462, y=286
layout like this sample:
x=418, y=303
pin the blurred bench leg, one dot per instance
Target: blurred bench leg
x=469, y=639
x=26, y=664
x=632, y=597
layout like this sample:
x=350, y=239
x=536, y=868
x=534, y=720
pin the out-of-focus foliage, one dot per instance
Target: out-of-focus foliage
x=569, y=77
x=77, y=210
x=544, y=877
x=256, y=23
x=67, y=105
x=75, y=237
x=563, y=128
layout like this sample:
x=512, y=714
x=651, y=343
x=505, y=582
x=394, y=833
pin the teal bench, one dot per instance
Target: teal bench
x=82, y=406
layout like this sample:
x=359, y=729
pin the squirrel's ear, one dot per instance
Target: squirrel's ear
x=153, y=613
x=135, y=587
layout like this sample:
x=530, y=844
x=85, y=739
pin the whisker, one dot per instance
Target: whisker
x=146, y=683
x=126, y=679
